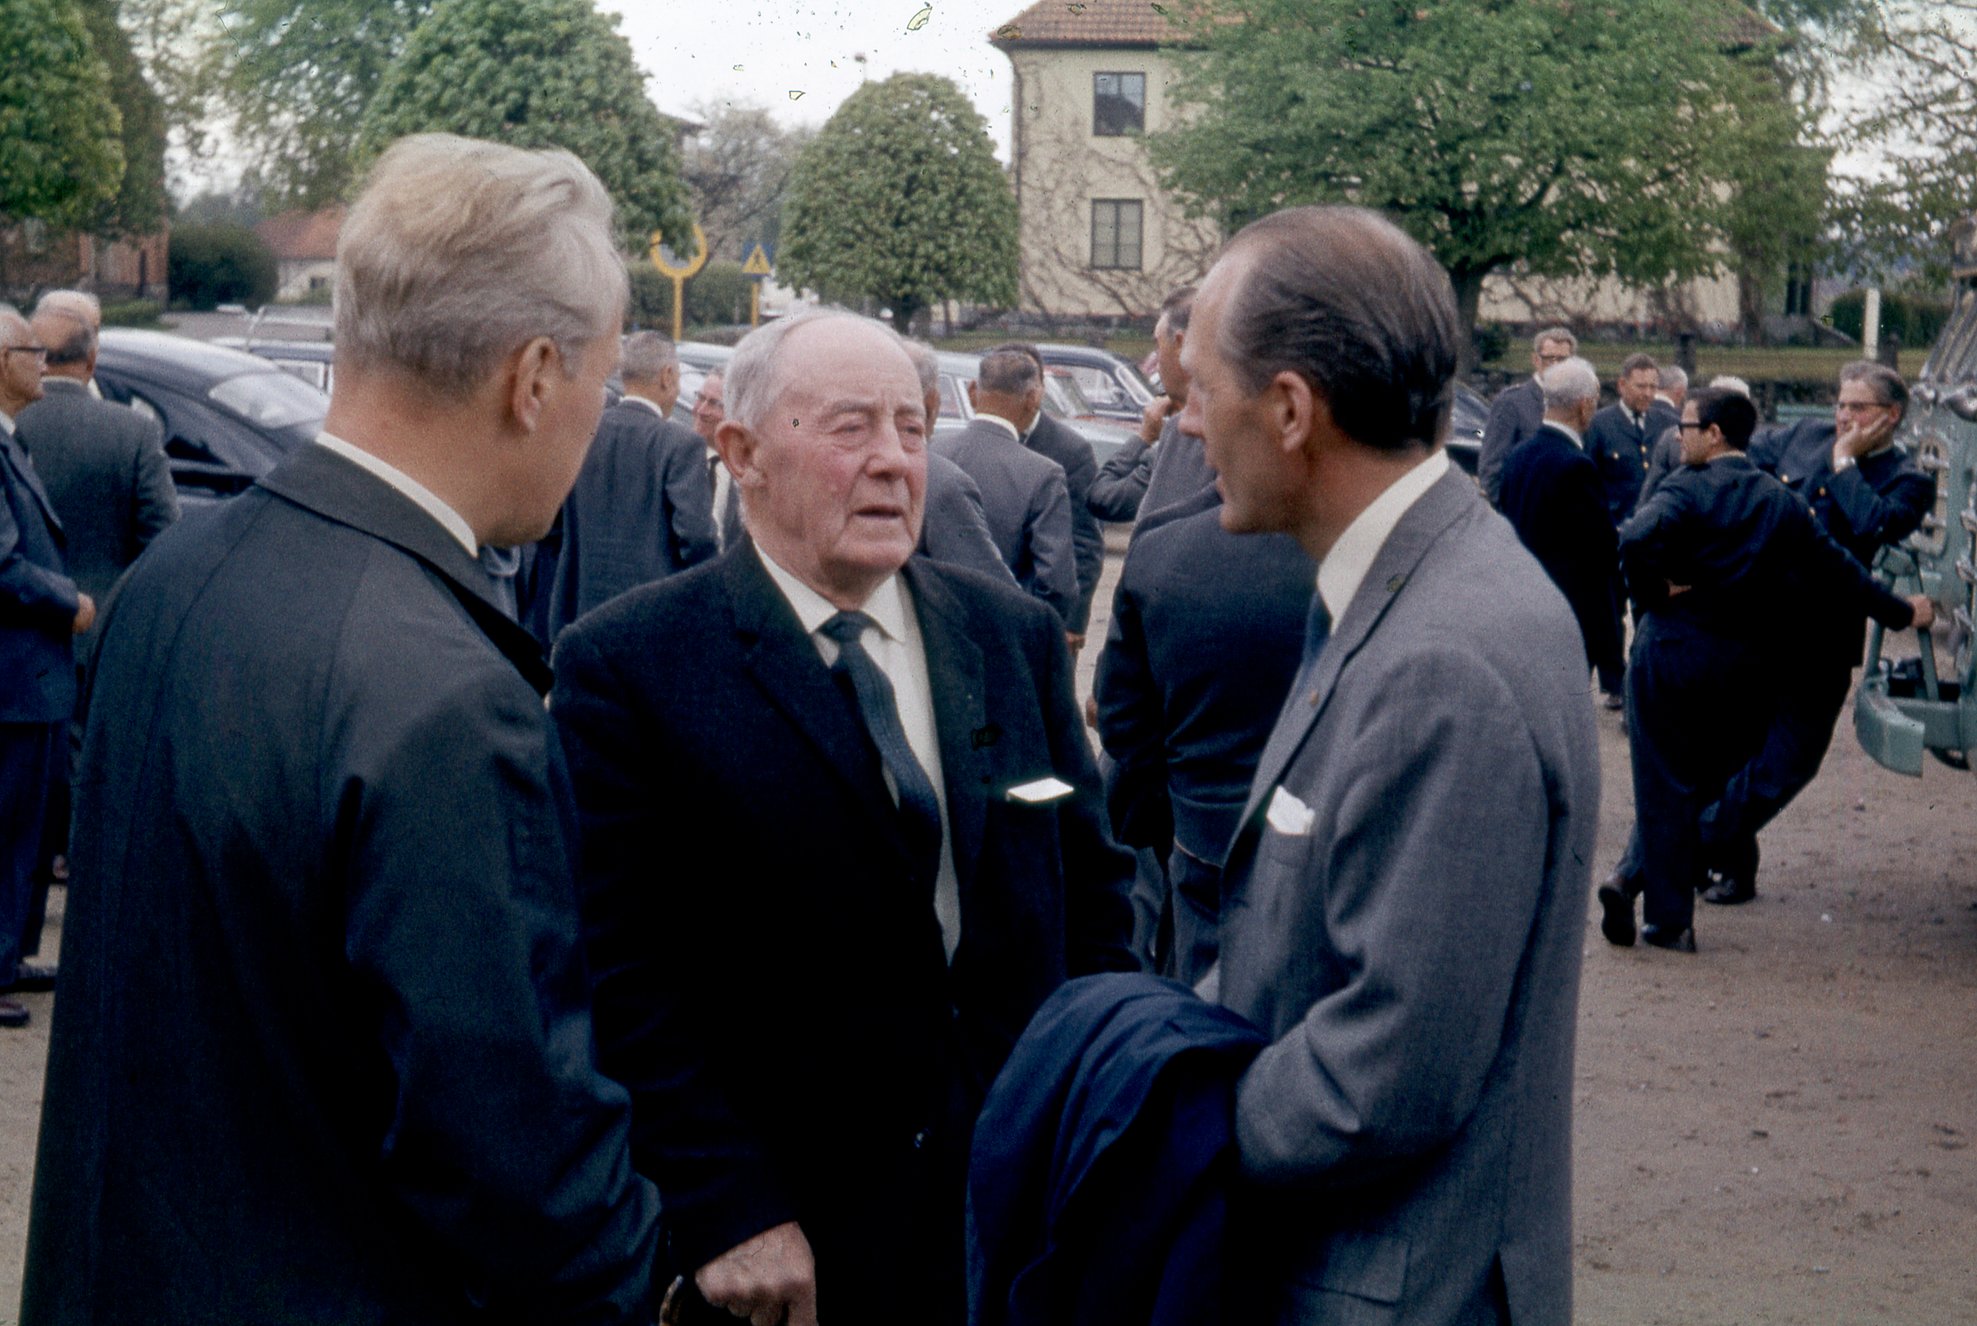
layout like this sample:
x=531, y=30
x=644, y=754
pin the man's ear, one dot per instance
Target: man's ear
x=737, y=444
x=973, y=404
x=1295, y=412
x=528, y=380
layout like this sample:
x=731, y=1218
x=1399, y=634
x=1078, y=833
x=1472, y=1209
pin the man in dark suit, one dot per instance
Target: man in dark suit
x=322, y=1048
x=1619, y=436
x=1055, y=440
x=1869, y=495
x=1404, y=901
x=1519, y=410
x=1125, y=482
x=1207, y=629
x=1552, y=496
x=1023, y=493
x=1664, y=414
x=1724, y=562
x=639, y=510
x=853, y=784
x=41, y=611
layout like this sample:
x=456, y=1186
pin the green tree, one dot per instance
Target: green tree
x=738, y=170
x=140, y=203
x=220, y=263
x=1565, y=139
x=536, y=74
x=899, y=199
x=61, y=158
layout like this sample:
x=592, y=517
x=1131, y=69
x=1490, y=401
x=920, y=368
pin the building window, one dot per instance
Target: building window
x=1118, y=104
x=1115, y=233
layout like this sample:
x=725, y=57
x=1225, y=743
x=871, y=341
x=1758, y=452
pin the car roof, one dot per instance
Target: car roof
x=180, y=356
x=1066, y=350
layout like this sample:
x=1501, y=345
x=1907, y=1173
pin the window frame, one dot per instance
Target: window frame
x=1099, y=128
x=1118, y=264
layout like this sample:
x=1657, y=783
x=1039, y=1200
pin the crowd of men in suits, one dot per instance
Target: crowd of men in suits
x=1745, y=559
x=435, y=977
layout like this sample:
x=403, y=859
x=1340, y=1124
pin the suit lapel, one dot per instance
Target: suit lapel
x=23, y=466
x=954, y=670
x=1392, y=568
x=322, y=481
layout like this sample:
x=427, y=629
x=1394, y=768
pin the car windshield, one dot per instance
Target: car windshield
x=272, y=399
x=1061, y=396
x=1121, y=391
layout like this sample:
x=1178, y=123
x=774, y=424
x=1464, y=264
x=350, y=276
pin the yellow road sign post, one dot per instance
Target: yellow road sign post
x=668, y=266
x=756, y=268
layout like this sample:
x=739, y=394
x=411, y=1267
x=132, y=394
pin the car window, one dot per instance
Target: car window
x=950, y=398
x=272, y=399
x=1100, y=387
x=1061, y=395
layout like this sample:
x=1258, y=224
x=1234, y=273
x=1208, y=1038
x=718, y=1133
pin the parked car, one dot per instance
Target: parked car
x=1113, y=386
x=1059, y=400
x=298, y=340
x=228, y=416
x=1465, y=428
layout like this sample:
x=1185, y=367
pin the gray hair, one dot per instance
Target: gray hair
x=66, y=334
x=756, y=376
x=1177, y=308
x=77, y=303
x=1570, y=383
x=1008, y=371
x=12, y=324
x=925, y=362
x=1730, y=382
x=1672, y=378
x=1555, y=334
x=1887, y=385
x=459, y=251
x=1343, y=298
x=646, y=354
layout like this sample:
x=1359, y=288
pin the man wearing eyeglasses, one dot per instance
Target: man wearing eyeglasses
x=709, y=409
x=41, y=611
x=1869, y=494
x=1518, y=412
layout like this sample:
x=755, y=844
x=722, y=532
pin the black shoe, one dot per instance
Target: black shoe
x=13, y=1013
x=1616, y=905
x=32, y=978
x=1613, y=700
x=1683, y=941
x=1735, y=879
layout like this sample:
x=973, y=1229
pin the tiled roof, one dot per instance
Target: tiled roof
x=1093, y=23
x=295, y=236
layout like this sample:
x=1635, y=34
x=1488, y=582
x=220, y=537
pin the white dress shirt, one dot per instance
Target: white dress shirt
x=449, y=519
x=1346, y=565
x=900, y=652
x=1001, y=423
x=723, y=481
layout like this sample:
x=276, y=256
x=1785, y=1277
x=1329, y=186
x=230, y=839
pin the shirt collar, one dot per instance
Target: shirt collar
x=1346, y=565
x=886, y=605
x=651, y=405
x=6, y=421
x=1003, y=424
x=1569, y=431
x=449, y=519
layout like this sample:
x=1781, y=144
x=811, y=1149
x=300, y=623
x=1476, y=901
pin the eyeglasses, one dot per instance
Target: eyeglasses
x=1551, y=360
x=1858, y=407
x=39, y=351
x=706, y=401
x=1685, y=426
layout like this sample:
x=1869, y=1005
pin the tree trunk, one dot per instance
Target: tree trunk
x=904, y=310
x=1468, y=284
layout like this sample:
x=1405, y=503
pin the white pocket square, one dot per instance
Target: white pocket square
x=1287, y=815
x=1043, y=789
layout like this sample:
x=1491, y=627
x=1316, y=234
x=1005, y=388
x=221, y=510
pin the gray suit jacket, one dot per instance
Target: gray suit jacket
x=1515, y=416
x=1053, y=439
x=955, y=528
x=1180, y=474
x=1406, y=926
x=104, y=468
x=1028, y=508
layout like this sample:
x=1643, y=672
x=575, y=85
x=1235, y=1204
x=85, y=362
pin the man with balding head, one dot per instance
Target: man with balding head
x=955, y=528
x=841, y=838
x=1402, y=904
x=322, y=1046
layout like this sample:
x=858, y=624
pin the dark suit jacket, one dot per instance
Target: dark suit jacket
x=1120, y=485
x=638, y=512
x=1181, y=474
x=1515, y=415
x=1619, y=451
x=1207, y=629
x=955, y=528
x=105, y=470
x=770, y=983
x=1055, y=440
x=1028, y=508
x=37, y=599
x=1553, y=496
x=1877, y=502
x=322, y=1049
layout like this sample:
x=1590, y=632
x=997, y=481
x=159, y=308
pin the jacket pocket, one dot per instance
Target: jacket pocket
x=1372, y=1267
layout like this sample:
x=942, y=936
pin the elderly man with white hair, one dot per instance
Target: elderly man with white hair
x=841, y=837
x=1553, y=496
x=322, y=1048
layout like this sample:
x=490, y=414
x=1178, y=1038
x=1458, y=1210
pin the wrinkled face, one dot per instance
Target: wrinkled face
x=1637, y=389
x=20, y=366
x=1173, y=374
x=836, y=475
x=1859, y=407
x=1252, y=471
x=1550, y=353
x=709, y=407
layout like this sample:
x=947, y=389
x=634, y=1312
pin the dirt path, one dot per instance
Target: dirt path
x=1778, y=1130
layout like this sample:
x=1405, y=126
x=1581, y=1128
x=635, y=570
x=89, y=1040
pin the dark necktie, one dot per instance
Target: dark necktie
x=1317, y=630
x=919, y=809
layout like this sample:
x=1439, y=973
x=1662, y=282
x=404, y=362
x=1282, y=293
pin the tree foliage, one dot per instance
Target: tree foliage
x=220, y=263
x=737, y=171
x=140, y=202
x=899, y=199
x=536, y=74
x=1602, y=138
x=61, y=155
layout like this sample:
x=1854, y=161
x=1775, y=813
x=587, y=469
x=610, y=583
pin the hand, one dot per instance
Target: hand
x=1091, y=712
x=1866, y=435
x=85, y=613
x=1925, y=611
x=1675, y=589
x=1153, y=416
x=771, y=1280
x=1074, y=641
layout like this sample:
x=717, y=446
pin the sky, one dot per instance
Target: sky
x=799, y=59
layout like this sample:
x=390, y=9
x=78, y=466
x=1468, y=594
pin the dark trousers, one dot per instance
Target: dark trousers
x=32, y=756
x=1195, y=897
x=1694, y=720
x=1808, y=707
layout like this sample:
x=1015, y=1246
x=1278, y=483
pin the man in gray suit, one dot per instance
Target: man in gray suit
x=954, y=528
x=1024, y=495
x=1518, y=412
x=1404, y=902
